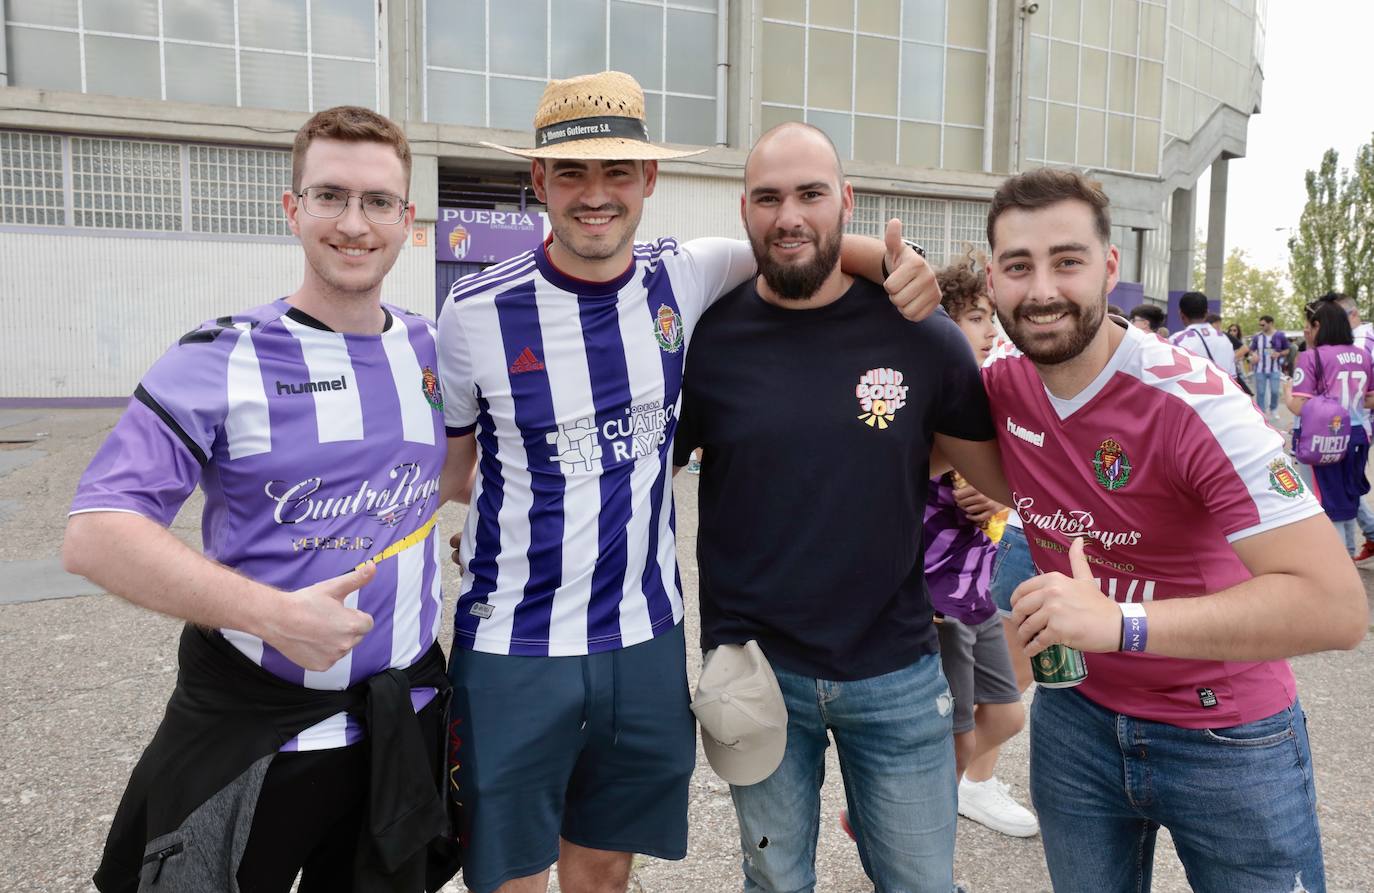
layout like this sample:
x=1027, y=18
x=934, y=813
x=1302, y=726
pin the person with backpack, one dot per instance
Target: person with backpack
x=1332, y=392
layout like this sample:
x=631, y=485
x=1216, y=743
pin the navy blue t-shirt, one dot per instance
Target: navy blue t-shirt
x=816, y=427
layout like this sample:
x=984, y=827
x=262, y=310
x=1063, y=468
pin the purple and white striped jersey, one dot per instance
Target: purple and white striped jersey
x=573, y=389
x=316, y=450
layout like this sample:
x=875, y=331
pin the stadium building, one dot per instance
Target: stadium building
x=144, y=144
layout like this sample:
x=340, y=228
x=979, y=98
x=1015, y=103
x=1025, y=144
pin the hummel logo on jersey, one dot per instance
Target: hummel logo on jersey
x=526, y=362
x=1025, y=434
x=309, y=387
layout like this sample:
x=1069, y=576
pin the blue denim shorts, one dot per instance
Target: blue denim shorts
x=597, y=749
x=1011, y=568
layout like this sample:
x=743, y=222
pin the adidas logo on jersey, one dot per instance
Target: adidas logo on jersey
x=526, y=362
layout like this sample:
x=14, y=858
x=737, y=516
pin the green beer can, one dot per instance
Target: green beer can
x=1059, y=666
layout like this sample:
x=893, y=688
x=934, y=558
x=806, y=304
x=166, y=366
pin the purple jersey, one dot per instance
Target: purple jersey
x=1346, y=376
x=316, y=450
x=958, y=557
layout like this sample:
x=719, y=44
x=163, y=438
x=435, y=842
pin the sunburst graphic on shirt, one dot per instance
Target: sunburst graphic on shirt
x=880, y=417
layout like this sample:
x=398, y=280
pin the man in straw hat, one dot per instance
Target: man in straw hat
x=571, y=734
x=837, y=601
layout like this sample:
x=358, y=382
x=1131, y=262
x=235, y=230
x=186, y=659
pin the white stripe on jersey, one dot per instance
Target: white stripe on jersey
x=324, y=735
x=645, y=371
x=247, y=429
x=436, y=588
x=249, y=644
x=405, y=617
x=338, y=414
x=565, y=351
x=417, y=418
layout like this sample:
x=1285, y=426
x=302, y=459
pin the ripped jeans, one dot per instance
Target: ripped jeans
x=896, y=750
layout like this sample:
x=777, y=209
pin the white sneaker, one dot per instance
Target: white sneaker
x=989, y=803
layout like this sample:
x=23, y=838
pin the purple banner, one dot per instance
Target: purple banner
x=480, y=236
x=1127, y=295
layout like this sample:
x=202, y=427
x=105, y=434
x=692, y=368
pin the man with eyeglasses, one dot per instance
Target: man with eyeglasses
x=305, y=732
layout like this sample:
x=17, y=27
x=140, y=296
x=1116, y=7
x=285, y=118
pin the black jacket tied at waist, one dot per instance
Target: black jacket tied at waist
x=184, y=818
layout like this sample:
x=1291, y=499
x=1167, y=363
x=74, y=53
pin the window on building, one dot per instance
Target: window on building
x=487, y=61
x=1094, y=84
x=890, y=81
x=31, y=179
x=107, y=183
x=944, y=228
x=284, y=54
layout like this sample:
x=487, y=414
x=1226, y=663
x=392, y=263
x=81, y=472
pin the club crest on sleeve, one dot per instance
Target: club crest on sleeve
x=429, y=383
x=1284, y=479
x=881, y=393
x=1111, y=465
x=668, y=329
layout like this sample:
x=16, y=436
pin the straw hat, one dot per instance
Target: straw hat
x=594, y=116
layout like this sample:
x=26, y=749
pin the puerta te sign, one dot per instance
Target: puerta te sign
x=481, y=236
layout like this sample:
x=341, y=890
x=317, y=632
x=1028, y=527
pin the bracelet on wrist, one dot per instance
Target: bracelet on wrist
x=1134, y=627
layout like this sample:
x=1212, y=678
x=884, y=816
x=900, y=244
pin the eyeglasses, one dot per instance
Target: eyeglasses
x=328, y=202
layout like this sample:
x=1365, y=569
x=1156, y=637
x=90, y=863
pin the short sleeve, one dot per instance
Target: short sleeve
x=455, y=373
x=152, y=460
x=1305, y=375
x=962, y=409
x=715, y=266
x=1237, y=466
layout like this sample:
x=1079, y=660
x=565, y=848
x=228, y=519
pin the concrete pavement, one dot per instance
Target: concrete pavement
x=86, y=677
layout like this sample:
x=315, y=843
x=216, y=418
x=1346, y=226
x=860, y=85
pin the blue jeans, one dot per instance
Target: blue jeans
x=1239, y=802
x=897, y=758
x=1011, y=568
x=1365, y=518
x=1267, y=388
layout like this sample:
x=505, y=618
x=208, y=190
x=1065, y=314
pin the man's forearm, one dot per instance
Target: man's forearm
x=138, y=560
x=1264, y=618
x=862, y=256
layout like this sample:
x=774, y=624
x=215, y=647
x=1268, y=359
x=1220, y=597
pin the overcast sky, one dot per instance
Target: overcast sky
x=1318, y=64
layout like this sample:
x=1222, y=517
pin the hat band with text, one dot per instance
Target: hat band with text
x=603, y=127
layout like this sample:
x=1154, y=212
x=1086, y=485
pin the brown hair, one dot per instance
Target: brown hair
x=963, y=283
x=1046, y=186
x=349, y=124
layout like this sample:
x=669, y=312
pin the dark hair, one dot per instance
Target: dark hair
x=1151, y=313
x=962, y=283
x=1214, y=318
x=1333, y=326
x=1192, y=305
x=1114, y=310
x=1266, y=318
x=1240, y=333
x=1047, y=186
x=348, y=124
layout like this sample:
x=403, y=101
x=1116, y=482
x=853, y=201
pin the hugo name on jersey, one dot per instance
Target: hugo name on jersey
x=1160, y=463
x=316, y=450
x=573, y=389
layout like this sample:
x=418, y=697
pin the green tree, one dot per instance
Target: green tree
x=1249, y=292
x=1332, y=247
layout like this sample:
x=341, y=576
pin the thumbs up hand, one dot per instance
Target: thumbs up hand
x=911, y=282
x=315, y=627
x=1054, y=608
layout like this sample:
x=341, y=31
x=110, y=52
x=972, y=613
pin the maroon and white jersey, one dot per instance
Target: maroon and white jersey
x=1162, y=463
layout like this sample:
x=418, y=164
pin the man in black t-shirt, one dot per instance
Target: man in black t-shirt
x=817, y=405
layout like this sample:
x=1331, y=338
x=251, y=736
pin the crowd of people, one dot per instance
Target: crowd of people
x=900, y=511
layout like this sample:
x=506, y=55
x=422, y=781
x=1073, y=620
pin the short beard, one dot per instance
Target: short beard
x=1061, y=349
x=799, y=281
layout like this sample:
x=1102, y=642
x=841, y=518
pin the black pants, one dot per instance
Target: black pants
x=308, y=818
